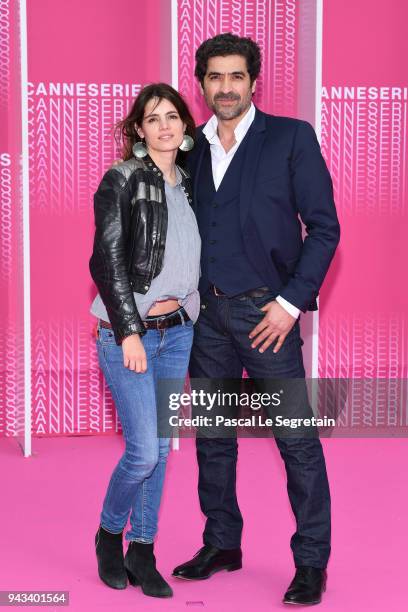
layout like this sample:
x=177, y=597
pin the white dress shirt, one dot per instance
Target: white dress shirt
x=220, y=160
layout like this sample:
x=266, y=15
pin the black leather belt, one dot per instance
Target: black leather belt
x=258, y=292
x=159, y=322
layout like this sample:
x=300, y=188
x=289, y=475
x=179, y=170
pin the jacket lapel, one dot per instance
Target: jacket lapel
x=201, y=144
x=252, y=155
x=253, y=152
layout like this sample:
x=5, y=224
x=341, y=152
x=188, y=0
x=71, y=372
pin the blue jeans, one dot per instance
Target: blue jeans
x=221, y=349
x=136, y=483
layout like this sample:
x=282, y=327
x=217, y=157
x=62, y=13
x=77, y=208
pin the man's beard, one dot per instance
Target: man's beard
x=226, y=114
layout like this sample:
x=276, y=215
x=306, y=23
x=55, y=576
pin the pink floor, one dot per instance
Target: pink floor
x=51, y=503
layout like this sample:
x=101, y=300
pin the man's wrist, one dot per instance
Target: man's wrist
x=290, y=308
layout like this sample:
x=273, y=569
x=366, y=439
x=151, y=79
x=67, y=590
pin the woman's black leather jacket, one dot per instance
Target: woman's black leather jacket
x=130, y=236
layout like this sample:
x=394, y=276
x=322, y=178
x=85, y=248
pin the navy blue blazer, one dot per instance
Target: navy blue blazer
x=284, y=178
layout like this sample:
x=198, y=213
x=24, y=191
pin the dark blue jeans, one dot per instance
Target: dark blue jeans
x=221, y=348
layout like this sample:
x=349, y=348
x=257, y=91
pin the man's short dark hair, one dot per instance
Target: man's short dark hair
x=228, y=44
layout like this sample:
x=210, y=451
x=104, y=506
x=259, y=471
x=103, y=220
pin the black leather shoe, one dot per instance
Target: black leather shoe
x=109, y=553
x=307, y=586
x=207, y=561
x=140, y=564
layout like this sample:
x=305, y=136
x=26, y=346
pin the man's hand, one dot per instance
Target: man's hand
x=134, y=354
x=276, y=323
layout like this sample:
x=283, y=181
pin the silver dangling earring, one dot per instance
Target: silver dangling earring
x=187, y=144
x=139, y=149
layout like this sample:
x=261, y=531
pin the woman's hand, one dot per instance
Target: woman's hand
x=134, y=354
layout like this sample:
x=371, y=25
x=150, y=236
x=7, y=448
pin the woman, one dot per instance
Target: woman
x=145, y=263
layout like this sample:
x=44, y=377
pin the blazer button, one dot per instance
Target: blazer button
x=213, y=241
x=146, y=287
x=212, y=259
x=213, y=224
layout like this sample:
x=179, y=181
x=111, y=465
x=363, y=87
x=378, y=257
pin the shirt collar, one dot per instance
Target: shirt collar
x=150, y=163
x=179, y=178
x=210, y=128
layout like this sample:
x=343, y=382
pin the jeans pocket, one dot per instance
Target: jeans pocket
x=258, y=302
x=106, y=336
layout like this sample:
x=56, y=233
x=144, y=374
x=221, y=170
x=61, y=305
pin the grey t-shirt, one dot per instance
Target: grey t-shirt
x=181, y=266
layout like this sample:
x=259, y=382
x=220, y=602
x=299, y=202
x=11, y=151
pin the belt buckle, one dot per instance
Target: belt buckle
x=215, y=292
x=160, y=322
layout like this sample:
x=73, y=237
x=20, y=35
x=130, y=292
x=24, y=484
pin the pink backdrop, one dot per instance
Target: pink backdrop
x=11, y=255
x=363, y=328
x=85, y=65
x=71, y=147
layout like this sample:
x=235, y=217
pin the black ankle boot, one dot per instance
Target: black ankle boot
x=140, y=564
x=109, y=552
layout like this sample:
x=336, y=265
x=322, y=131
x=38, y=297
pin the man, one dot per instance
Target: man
x=254, y=175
